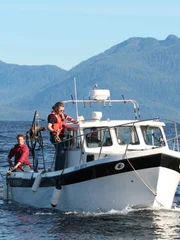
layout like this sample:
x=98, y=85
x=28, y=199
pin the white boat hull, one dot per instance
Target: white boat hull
x=154, y=187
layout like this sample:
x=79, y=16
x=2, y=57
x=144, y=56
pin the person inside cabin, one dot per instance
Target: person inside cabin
x=108, y=142
x=56, y=126
x=92, y=137
x=20, y=152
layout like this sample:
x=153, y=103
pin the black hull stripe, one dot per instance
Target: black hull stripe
x=102, y=170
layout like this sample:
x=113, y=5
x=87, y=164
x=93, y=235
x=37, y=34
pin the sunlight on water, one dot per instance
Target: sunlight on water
x=111, y=212
x=41, y=213
x=128, y=223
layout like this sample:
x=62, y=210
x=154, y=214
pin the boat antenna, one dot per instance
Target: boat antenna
x=72, y=99
x=90, y=103
x=123, y=98
x=75, y=93
x=84, y=101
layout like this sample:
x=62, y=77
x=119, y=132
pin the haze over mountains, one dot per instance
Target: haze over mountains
x=144, y=69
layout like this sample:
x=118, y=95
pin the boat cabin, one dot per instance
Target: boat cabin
x=94, y=140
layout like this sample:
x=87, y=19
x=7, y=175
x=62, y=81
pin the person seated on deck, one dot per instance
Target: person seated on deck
x=92, y=138
x=20, y=152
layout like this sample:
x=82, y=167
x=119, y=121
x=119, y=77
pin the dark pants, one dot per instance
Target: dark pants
x=59, y=152
x=60, y=156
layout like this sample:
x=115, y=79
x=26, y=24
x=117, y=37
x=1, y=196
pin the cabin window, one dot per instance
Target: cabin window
x=152, y=135
x=126, y=135
x=72, y=139
x=97, y=137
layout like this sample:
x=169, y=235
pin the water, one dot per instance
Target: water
x=20, y=222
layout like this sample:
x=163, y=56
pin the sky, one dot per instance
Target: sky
x=66, y=32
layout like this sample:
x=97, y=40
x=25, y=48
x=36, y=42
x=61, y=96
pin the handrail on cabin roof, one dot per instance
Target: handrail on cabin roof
x=135, y=104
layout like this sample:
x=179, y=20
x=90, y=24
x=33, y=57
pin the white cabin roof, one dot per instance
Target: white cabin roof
x=111, y=123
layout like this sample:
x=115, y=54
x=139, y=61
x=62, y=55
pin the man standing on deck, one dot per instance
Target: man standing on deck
x=56, y=122
x=56, y=125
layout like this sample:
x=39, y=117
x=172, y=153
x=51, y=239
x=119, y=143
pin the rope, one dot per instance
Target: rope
x=154, y=193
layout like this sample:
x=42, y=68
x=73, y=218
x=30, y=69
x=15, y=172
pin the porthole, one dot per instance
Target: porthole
x=119, y=166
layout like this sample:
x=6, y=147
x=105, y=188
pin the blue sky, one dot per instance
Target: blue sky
x=67, y=32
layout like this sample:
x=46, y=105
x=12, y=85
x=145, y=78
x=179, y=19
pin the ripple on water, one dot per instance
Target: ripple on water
x=23, y=222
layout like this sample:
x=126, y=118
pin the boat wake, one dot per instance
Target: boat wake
x=127, y=210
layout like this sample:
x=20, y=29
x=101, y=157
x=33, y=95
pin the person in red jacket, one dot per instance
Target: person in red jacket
x=20, y=152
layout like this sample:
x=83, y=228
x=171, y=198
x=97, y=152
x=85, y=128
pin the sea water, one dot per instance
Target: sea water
x=20, y=222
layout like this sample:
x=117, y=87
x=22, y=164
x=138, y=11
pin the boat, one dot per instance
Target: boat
x=131, y=164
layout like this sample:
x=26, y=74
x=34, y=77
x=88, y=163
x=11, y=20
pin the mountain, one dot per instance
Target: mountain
x=144, y=69
x=18, y=82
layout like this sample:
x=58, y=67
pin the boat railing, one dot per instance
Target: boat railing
x=81, y=137
x=108, y=101
x=173, y=142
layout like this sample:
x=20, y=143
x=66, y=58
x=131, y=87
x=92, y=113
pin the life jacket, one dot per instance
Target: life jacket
x=60, y=124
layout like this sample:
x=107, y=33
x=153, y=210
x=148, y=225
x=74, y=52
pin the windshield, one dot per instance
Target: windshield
x=126, y=135
x=152, y=135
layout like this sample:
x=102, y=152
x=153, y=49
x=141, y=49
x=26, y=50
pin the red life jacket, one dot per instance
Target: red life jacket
x=60, y=124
